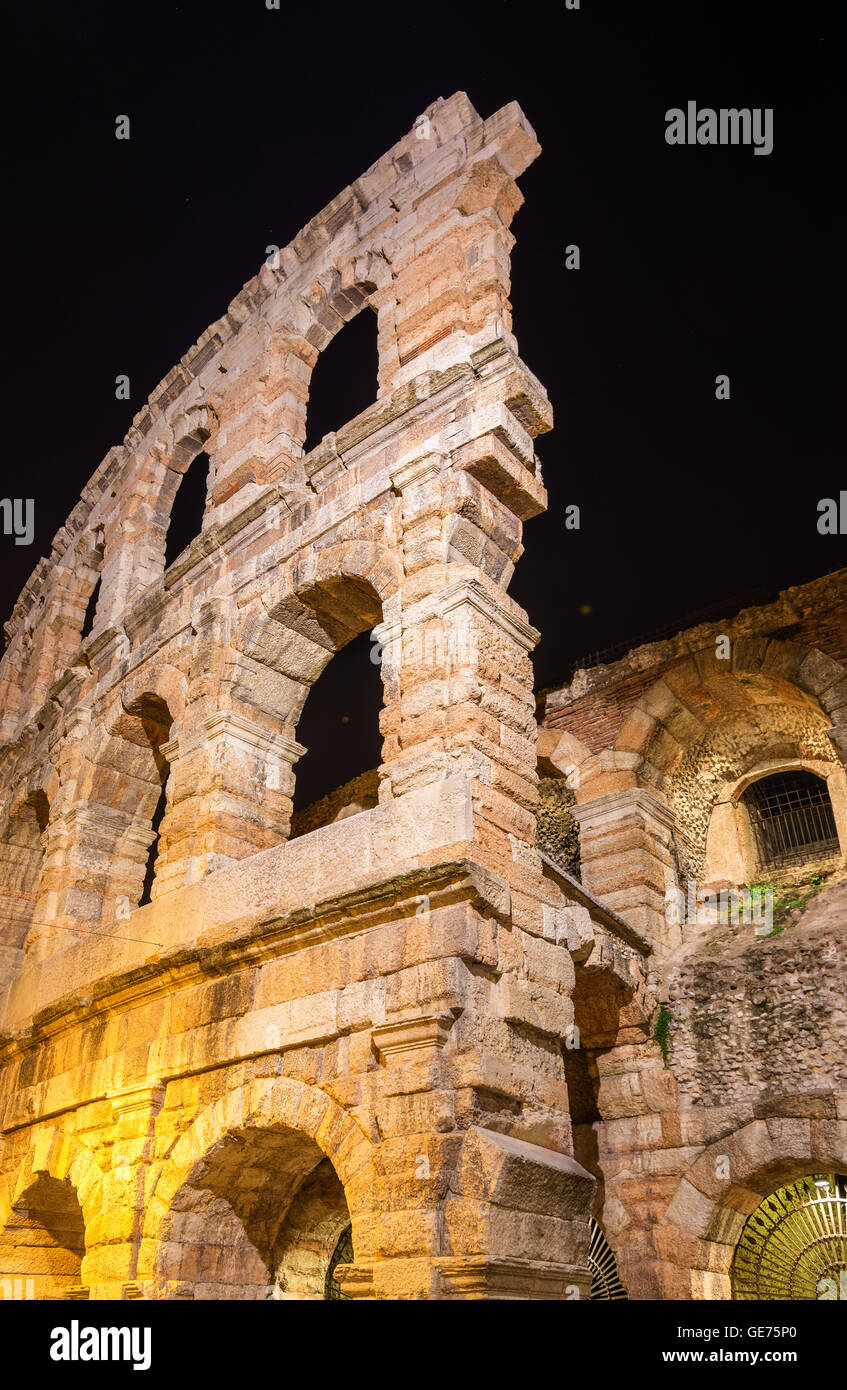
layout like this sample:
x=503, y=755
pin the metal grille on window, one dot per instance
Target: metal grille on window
x=792, y=818
x=794, y=1245
x=341, y=1255
x=605, y=1280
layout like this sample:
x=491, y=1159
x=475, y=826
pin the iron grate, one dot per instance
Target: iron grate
x=792, y=818
x=794, y=1245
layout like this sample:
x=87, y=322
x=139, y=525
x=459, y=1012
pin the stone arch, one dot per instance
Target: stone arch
x=319, y=602
x=48, y=1206
x=362, y=564
x=349, y=281
x=613, y=1010
x=245, y=380
x=52, y=638
x=729, y=1180
x=730, y=854
x=274, y=1134
x=678, y=706
x=102, y=831
x=336, y=596
x=161, y=682
x=160, y=477
x=730, y=754
x=773, y=699
x=21, y=865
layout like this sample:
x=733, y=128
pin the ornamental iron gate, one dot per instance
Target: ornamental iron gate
x=605, y=1280
x=794, y=1245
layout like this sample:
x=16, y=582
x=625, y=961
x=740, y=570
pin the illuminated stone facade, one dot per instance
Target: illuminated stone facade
x=226, y=1037
x=363, y=1023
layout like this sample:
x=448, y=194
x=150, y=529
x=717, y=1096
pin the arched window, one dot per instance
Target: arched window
x=187, y=508
x=341, y=1255
x=21, y=862
x=340, y=729
x=150, y=727
x=792, y=818
x=344, y=381
x=91, y=611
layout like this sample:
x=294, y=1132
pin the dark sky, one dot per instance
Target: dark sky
x=695, y=261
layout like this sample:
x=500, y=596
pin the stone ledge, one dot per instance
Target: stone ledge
x=347, y=876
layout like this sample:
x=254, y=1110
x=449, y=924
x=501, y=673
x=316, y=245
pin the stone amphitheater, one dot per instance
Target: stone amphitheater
x=446, y=1034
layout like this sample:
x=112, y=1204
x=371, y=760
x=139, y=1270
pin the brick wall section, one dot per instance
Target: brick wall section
x=596, y=703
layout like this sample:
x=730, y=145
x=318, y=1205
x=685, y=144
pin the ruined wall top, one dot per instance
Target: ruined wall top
x=597, y=700
x=393, y=241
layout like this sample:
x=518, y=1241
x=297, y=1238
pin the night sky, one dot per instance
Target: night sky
x=696, y=261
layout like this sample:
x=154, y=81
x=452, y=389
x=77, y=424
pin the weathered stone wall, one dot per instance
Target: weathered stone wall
x=387, y=993
x=412, y=1018
x=756, y=1017
x=744, y=1086
x=558, y=832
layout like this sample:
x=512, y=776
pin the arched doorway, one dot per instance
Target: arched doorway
x=42, y=1245
x=794, y=1245
x=261, y=1217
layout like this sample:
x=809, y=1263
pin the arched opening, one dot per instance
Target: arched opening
x=792, y=819
x=21, y=862
x=341, y=1255
x=344, y=380
x=146, y=730
x=260, y=1218
x=339, y=727
x=187, y=508
x=91, y=611
x=794, y=1245
x=43, y=1242
x=315, y=1238
x=153, y=852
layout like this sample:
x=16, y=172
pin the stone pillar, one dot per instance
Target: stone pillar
x=262, y=410
x=642, y=1149
x=456, y=666
x=458, y=661
x=113, y=1237
x=450, y=289
x=230, y=795
x=627, y=859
